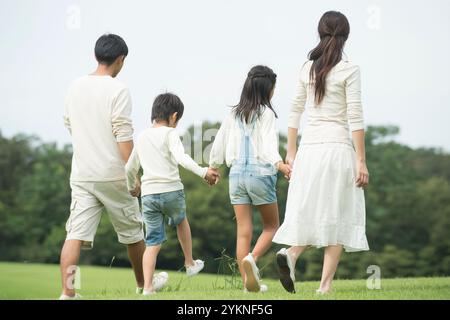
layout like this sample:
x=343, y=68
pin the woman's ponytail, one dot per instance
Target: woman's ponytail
x=333, y=31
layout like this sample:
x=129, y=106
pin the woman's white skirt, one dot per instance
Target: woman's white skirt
x=324, y=206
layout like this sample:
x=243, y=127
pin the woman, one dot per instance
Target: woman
x=325, y=205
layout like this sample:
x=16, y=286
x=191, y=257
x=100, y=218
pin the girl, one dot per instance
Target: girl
x=248, y=142
x=325, y=205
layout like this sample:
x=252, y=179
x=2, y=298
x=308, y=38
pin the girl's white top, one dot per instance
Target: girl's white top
x=263, y=137
x=339, y=111
x=159, y=151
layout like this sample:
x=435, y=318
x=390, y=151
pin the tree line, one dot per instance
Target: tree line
x=407, y=201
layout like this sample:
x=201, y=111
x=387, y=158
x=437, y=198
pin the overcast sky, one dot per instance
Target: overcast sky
x=202, y=51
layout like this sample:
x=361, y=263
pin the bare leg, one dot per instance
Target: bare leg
x=330, y=262
x=135, y=253
x=149, y=264
x=70, y=255
x=185, y=239
x=243, y=213
x=295, y=252
x=271, y=222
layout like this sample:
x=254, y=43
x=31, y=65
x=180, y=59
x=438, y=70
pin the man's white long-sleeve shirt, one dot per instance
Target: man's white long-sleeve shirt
x=97, y=113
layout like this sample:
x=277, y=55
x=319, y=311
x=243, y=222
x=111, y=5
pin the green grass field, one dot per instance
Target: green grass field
x=38, y=281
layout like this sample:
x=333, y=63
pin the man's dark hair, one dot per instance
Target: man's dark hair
x=165, y=105
x=109, y=47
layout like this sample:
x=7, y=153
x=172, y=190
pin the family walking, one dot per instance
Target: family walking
x=326, y=172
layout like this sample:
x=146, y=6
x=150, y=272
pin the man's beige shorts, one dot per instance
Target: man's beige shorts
x=90, y=199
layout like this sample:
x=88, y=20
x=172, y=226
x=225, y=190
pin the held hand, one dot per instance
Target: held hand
x=285, y=169
x=362, y=174
x=212, y=176
x=290, y=157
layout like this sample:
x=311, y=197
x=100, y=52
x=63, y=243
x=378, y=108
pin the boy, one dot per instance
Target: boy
x=159, y=151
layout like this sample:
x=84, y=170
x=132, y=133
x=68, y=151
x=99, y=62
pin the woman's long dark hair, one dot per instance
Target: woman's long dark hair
x=256, y=93
x=333, y=31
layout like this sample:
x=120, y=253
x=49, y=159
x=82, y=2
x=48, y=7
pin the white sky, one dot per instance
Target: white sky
x=202, y=50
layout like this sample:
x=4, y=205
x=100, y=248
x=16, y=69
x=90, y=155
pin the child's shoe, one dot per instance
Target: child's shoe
x=252, y=278
x=160, y=280
x=262, y=288
x=195, y=269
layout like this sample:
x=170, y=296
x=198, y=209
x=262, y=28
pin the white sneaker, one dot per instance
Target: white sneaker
x=320, y=292
x=148, y=292
x=160, y=280
x=251, y=274
x=66, y=297
x=139, y=290
x=286, y=270
x=263, y=288
x=195, y=269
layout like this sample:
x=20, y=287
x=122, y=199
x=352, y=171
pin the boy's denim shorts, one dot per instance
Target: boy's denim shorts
x=155, y=207
x=248, y=185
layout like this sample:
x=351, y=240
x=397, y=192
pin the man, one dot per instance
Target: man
x=97, y=114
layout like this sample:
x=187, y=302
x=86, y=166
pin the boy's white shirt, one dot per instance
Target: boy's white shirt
x=159, y=151
x=264, y=140
x=97, y=113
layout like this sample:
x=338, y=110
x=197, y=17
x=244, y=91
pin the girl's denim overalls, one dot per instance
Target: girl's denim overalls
x=251, y=181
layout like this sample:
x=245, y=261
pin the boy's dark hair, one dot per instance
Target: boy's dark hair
x=165, y=105
x=109, y=47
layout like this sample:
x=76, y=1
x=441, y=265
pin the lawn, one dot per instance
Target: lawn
x=38, y=281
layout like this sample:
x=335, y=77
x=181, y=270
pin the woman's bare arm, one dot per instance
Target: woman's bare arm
x=362, y=174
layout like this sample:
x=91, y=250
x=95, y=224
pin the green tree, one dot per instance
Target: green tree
x=407, y=205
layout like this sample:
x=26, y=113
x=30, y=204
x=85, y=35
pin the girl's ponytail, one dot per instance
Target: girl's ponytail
x=256, y=93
